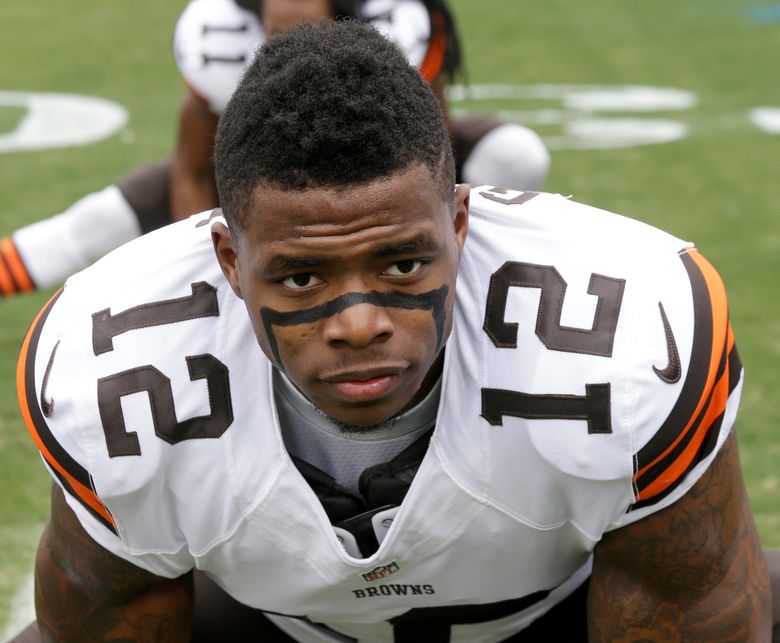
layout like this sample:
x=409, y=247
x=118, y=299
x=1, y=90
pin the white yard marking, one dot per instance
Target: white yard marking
x=60, y=120
x=766, y=119
x=22, y=610
x=590, y=117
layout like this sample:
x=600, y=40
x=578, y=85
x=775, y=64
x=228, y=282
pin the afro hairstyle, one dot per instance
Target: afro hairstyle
x=333, y=104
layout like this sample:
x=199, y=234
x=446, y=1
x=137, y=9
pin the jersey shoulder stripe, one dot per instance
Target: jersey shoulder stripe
x=690, y=432
x=13, y=263
x=74, y=478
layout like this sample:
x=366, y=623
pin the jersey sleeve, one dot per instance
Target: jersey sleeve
x=115, y=363
x=50, y=385
x=607, y=370
x=64, y=463
x=704, y=365
x=213, y=43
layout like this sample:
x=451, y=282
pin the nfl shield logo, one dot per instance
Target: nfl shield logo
x=381, y=571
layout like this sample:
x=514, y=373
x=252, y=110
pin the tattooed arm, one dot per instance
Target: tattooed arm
x=84, y=593
x=692, y=572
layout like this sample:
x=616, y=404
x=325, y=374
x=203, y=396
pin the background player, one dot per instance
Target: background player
x=346, y=236
x=214, y=41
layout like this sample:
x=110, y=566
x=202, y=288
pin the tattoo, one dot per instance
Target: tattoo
x=84, y=593
x=433, y=300
x=692, y=572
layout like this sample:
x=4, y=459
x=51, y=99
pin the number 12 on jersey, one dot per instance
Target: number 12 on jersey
x=594, y=406
x=105, y=326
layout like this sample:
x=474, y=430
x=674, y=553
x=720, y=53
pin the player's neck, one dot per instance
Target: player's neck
x=419, y=413
x=431, y=380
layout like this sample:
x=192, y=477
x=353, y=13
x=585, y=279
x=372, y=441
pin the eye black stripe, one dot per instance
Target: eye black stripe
x=433, y=300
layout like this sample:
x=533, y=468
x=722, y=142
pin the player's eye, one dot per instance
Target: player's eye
x=301, y=281
x=405, y=267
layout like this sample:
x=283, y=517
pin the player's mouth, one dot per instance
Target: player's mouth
x=365, y=385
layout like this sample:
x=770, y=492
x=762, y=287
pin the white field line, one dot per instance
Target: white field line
x=22, y=611
x=60, y=120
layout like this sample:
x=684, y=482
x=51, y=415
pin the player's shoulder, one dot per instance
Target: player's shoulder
x=567, y=220
x=605, y=348
x=125, y=383
x=214, y=41
x=122, y=325
x=149, y=266
x=572, y=242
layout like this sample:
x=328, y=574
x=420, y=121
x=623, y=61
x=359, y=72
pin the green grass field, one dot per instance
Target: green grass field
x=718, y=185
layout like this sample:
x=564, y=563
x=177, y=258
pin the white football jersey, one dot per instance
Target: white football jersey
x=215, y=40
x=589, y=380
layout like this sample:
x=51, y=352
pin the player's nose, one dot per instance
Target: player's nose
x=358, y=326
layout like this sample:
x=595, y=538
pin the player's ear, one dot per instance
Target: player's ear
x=227, y=256
x=460, y=213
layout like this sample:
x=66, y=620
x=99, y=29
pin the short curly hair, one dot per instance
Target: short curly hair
x=333, y=104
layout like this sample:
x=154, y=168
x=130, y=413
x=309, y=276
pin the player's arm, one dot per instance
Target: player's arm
x=85, y=593
x=692, y=572
x=192, y=173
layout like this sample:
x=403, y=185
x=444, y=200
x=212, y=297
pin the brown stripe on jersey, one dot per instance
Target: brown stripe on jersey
x=15, y=265
x=433, y=623
x=734, y=377
x=659, y=467
x=735, y=363
x=76, y=480
x=689, y=432
x=697, y=443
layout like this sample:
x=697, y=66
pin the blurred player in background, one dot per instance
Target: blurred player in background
x=214, y=42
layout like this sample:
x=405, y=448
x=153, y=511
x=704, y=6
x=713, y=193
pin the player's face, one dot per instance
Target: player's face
x=351, y=292
x=278, y=16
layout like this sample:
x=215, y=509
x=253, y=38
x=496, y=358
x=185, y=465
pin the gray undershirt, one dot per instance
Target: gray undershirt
x=313, y=437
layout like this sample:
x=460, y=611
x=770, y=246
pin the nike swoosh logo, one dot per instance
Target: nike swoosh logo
x=672, y=372
x=47, y=406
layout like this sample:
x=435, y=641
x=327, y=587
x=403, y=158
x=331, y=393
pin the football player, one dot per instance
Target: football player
x=362, y=402
x=214, y=41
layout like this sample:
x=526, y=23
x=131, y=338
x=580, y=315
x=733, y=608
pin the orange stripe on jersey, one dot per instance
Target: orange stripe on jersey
x=76, y=480
x=16, y=266
x=685, y=437
x=720, y=310
x=7, y=286
x=719, y=330
x=433, y=61
x=682, y=463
